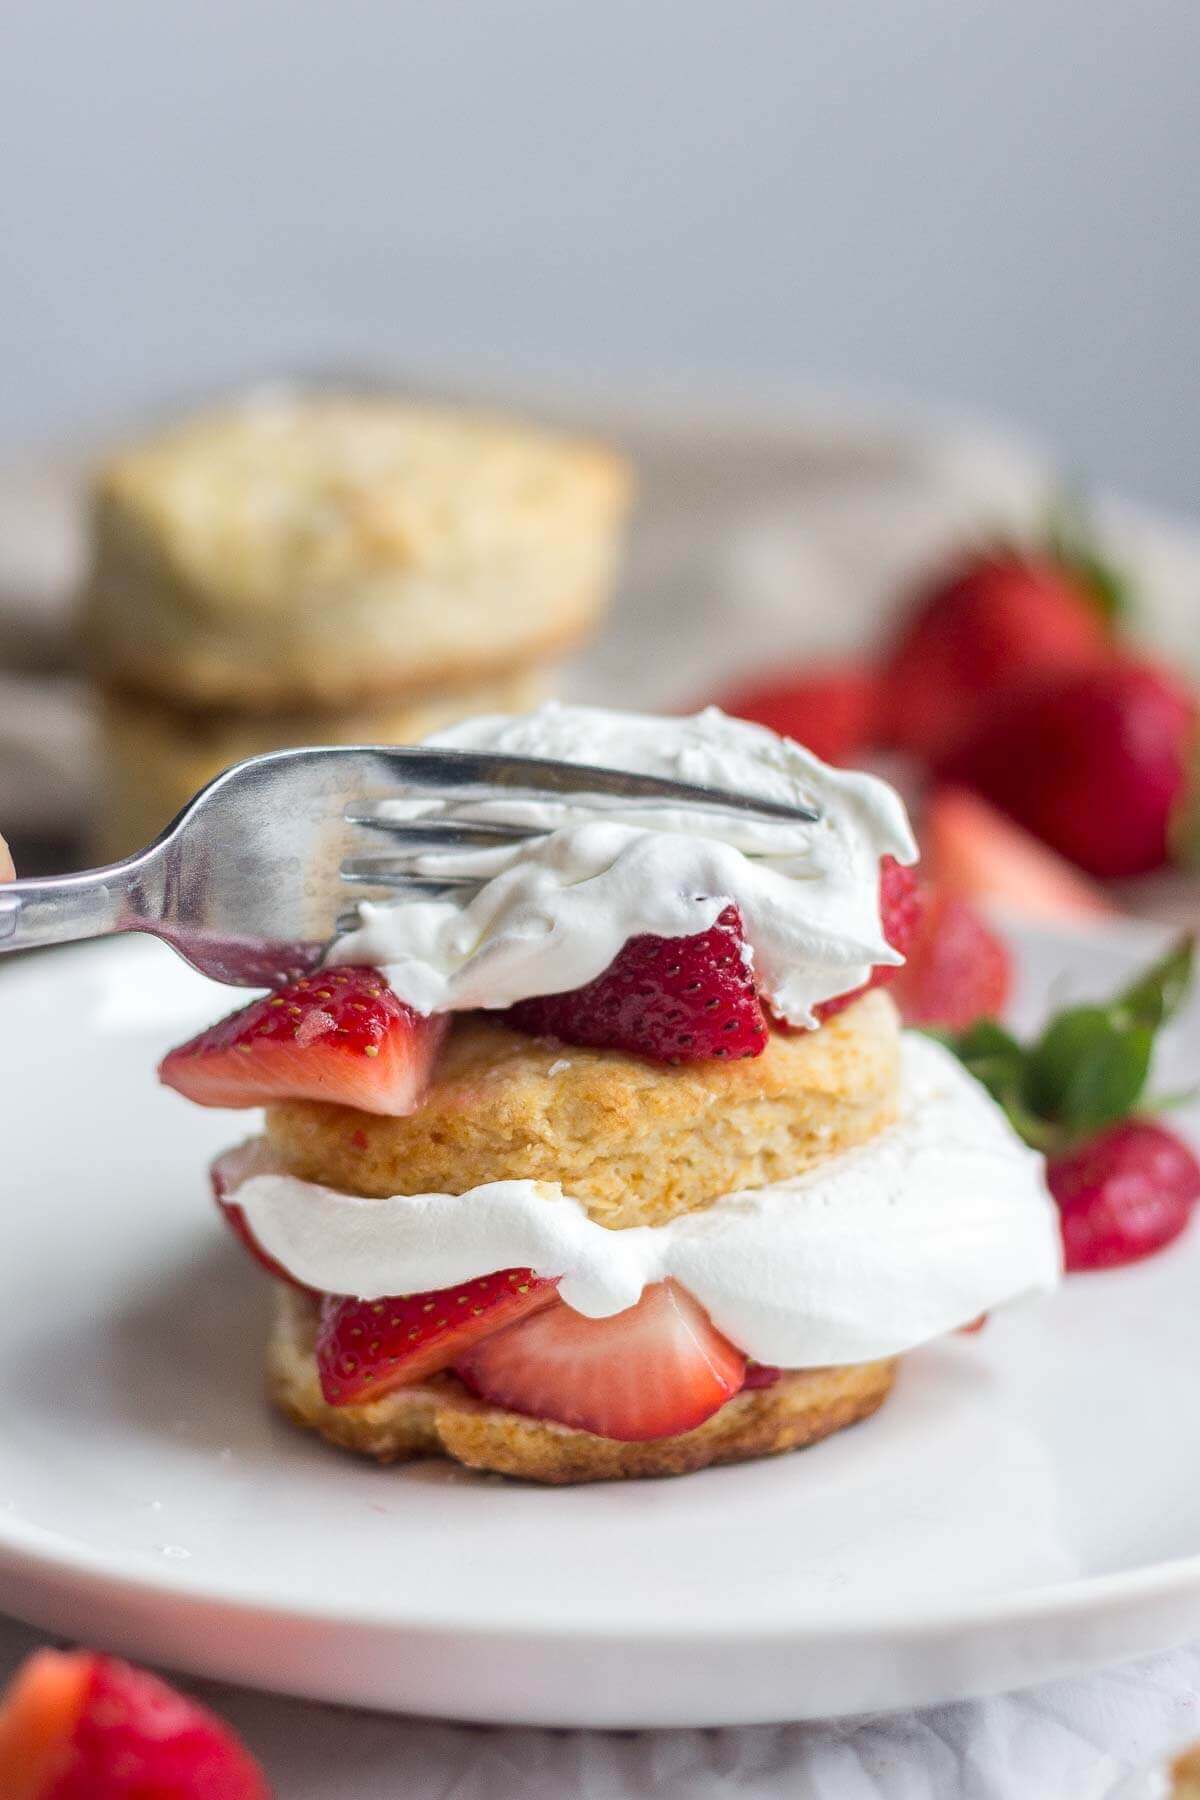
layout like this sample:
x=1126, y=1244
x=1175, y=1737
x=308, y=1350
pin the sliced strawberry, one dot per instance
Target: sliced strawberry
x=365, y=1348
x=830, y=708
x=958, y=971
x=655, y=1370
x=227, y=1173
x=340, y=1035
x=977, y=853
x=77, y=1726
x=673, y=1000
x=1123, y=1194
x=901, y=907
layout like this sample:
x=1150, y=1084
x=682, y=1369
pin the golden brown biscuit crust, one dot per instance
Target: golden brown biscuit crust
x=440, y=1418
x=318, y=550
x=635, y=1142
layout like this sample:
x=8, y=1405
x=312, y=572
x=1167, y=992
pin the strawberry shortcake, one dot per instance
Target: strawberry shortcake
x=614, y=1160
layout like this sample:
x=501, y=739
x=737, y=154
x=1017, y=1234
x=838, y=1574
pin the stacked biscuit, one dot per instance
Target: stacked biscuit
x=299, y=570
x=637, y=1143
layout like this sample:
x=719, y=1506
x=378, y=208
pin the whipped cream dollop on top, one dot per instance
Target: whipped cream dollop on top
x=939, y=1218
x=551, y=913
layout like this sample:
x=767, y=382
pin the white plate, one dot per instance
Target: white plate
x=1025, y=1506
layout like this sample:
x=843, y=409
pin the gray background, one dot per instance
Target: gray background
x=986, y=203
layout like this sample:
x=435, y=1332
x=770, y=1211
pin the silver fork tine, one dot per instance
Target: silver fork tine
x=475, y=775
x=383, y=871
x=447, y=834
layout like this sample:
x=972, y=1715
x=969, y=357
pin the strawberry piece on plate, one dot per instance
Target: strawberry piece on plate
x=830, y=708
x=672, y=1000
x=77, y=1726
x=959, y=970
x=659, y=1368
x=901, y=908
x=340, y=1035
x=1123, y=1194
x=226, y=1174
x=366, y=1348
x=977, y=853
x=1095, y=764
x=996, y=622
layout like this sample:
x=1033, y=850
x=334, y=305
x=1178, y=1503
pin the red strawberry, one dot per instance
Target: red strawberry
x=959, y=970
x=659, y=1368
x=339, y=1035
x=761, y=1375
x=365, y=1348
x=673, y=1000
x=1123, y=1194
x=77, y=1726
x=226, y=1175
x=1093, y=763
x=830, y=708
x=975, y=852
x=901, y=908
x=993, y=624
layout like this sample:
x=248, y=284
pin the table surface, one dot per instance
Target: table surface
x=748, y=540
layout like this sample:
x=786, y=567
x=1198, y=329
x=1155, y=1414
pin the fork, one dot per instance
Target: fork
x=250, y=884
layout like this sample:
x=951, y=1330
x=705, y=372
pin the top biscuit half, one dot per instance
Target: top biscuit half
x=294, y=551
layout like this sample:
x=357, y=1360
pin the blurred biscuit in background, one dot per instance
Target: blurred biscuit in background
x=311, y=569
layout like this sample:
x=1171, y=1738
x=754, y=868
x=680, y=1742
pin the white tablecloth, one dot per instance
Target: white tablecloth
x=1069, y=1741
x=749, y=541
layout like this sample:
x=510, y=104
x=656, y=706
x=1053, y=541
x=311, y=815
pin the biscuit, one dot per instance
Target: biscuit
x=635, y=1142
x=440, y=1418
x=297, y=552
x=156, y=756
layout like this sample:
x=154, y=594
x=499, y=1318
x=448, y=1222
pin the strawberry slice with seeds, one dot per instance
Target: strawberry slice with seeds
x=226, y=1175
x=659, y=1368
x=340, y=1035
x=901, y=908
x=77, y=1726
x=673, y=1000
x=365, y=1348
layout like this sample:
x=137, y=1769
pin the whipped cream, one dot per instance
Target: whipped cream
x=552, y=913
x=940, y=1217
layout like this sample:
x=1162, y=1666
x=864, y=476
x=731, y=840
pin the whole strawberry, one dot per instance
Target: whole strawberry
x=999, y=620
x=1125, y=1186
x=1123, y=1194
x=1095, y=763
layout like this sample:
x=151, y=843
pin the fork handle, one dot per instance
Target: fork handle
x=64, y=909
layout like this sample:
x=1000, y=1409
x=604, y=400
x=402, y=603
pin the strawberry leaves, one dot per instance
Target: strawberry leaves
x=1072, y=543
x=1089, y=1067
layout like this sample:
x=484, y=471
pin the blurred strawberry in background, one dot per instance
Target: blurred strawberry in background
x=832, y=708
x=996, y=621
x=970, y=849
x=78, y=1726
x=1010, y=677
x=1095, y=763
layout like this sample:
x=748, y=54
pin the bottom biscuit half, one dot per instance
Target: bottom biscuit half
x=440, y=1418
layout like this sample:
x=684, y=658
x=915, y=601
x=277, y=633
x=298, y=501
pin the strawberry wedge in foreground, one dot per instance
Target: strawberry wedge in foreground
x=554, y=1167
x=77, y=1726
x=341, y=1035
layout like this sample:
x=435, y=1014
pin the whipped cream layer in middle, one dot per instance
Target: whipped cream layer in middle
x=552, y=912
x=942, y=1216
